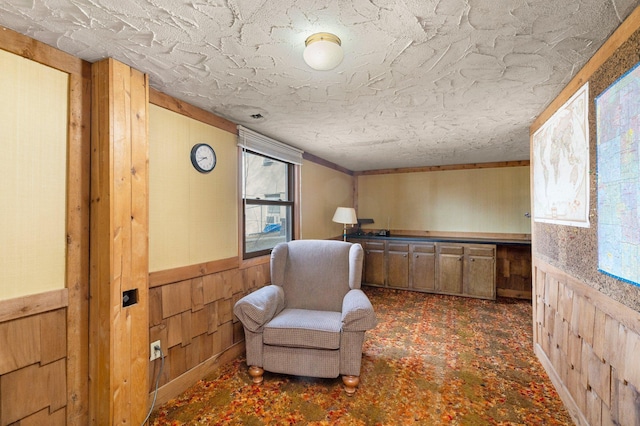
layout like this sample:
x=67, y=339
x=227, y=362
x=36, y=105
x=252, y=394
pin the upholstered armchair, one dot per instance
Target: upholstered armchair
x=312, y=319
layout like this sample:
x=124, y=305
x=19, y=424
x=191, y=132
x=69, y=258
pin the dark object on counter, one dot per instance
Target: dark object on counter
x=359, y=231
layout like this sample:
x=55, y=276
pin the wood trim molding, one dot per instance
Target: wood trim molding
x=187, y=379
x=25, y=306
x=78, y=206
x=471, y=166
x=169, y=276
x=297, y=202
x=34, y=50
x=310, y=157
x=255, y=261
x=514, y=294
x=172, y=104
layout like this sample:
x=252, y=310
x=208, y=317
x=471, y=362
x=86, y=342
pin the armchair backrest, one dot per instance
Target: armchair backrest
x=316, y=274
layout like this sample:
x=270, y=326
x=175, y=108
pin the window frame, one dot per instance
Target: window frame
x=291, y=203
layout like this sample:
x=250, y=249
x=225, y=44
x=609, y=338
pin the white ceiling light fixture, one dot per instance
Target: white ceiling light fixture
x=323, y=51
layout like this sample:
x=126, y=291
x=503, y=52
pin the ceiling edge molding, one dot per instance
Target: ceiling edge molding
x=179, y=107
x=325, y=163
x=471, y=166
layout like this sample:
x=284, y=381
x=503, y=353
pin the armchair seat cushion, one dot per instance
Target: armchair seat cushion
x=304, y=328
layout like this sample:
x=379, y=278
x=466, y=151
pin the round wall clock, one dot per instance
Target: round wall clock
x=203, y=157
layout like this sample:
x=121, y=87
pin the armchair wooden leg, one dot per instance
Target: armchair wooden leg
x=350, y=384
x=256, y=372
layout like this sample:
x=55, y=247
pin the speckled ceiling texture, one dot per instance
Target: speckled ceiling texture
x=423, y=82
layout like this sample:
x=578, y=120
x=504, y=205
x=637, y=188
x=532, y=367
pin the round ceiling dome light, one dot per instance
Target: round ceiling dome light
x=323, y=51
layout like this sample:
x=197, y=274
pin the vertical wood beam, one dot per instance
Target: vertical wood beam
x=118, y=339
x=78, y=170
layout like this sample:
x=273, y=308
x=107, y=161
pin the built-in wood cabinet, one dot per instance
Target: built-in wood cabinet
x=422, y=270
x=374, y=259
x=467, y=269
x=449, y=268
x=439, y=267
x=480, y=271
x=398, y=265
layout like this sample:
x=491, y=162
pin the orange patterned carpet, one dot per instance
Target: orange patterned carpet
x=432, y=360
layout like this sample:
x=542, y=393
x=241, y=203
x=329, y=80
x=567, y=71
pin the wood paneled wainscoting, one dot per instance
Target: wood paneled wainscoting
x=191, y=313
x=590, y=346
x=33, y=359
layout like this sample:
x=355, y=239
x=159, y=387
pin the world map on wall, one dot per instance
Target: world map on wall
x=618, y=151
x=561, y=164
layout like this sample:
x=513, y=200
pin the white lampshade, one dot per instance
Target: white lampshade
x=323, y=51
x=345, y=215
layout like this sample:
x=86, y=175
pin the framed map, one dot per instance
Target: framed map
x=618, y=151
x=561, y=164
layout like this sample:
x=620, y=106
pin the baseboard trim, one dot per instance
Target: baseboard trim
x=569, y=403
x=189, y=378
x=514, y=294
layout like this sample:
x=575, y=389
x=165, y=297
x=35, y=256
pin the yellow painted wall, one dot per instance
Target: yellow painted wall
x=323, y=189
x=193, y=217
x=33, y=143
x=477, y=200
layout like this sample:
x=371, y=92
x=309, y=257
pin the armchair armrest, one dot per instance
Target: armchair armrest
x=357, y=312
x=256, y=309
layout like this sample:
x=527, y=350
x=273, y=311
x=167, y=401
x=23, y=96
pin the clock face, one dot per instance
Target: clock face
x=203, y=157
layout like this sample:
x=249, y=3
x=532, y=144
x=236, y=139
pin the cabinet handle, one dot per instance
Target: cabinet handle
x=404, y=255
x=460, y=259
x=473, y=260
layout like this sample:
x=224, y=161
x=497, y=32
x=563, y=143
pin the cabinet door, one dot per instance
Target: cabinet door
x=398, y=265
x=374, y=262
x=423, y=267
x=480, y=272
x=449, y=268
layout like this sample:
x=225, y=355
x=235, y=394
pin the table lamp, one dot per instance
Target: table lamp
x=346, y=216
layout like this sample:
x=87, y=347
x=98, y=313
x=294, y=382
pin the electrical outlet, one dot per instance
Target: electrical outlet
x=155, y=350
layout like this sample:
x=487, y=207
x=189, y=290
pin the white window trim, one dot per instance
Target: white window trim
x=253, y=141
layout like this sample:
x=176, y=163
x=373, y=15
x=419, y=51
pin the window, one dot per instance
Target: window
x=268, y=203
x=268, y=192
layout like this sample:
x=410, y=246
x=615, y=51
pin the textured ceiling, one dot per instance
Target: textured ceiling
x=423, y=82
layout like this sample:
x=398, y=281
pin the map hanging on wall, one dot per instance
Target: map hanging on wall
x=561, y=164
x=618, y=150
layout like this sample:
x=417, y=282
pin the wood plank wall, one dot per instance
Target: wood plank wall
x=191, y=307
x=590, y=346
x=34, y=350
x=60, y=361
x=191, y=313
